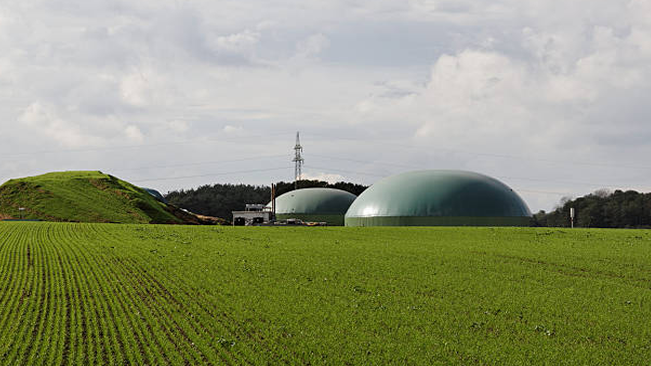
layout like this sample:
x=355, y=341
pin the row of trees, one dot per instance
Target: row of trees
x=603, y=209
x=219, y=200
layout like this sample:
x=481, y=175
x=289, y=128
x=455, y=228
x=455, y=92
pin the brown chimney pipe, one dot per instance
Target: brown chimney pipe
x=273, y=201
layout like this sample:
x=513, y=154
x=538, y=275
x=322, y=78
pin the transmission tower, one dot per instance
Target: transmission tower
x=298, y=161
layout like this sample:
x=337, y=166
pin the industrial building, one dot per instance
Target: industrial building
x=314, y=205
x=438, y=198
x=253, y=214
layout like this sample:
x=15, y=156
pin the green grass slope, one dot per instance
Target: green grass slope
x=82, y=196
x=97, y=294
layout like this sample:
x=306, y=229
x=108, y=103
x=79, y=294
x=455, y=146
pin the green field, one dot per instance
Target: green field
x=147, y=294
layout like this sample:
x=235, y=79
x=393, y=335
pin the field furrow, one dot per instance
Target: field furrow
x=16, y=294
x=37, y=258
x=119, y=305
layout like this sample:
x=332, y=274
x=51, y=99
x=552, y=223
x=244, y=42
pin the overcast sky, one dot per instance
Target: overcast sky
x=551, y=97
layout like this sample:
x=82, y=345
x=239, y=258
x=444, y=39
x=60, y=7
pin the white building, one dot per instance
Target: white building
x=253, y=214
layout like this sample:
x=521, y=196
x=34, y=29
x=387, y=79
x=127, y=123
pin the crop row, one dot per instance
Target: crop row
x=67, y=300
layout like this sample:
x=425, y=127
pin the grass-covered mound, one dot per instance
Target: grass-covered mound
x=84, y=196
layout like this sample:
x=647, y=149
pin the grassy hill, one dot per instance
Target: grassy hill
x=84, y=196
x=76, y=294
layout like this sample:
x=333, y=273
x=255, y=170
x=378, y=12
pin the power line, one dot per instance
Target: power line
x=364, y=162
x=196, y=164
x=543, y=192
x=595, y=185
x=495, y=155
x=346, y=171
x=591, y=184
x=323, y=157
x=362, y=173
x=130, y=147
x=209, y=175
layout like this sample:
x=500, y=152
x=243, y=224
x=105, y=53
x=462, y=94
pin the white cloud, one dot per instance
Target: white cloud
x=312, y=46
x=178, y=126
x=326, y=177
x=134, y=134
x=238, y=42
x=233, y=130
x=135, y=89
x=43, y=120
x=491, y=98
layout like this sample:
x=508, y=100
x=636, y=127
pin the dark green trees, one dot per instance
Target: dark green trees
x=619, y=209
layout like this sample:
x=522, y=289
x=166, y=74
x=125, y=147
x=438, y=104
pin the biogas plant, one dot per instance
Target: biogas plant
x=418, y=198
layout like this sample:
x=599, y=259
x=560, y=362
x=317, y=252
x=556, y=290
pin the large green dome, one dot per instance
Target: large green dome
x=314, y=204
x=438, y=197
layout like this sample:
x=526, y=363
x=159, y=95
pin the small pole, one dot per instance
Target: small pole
x=273, y=202
x=572, y=217
x=21, y=210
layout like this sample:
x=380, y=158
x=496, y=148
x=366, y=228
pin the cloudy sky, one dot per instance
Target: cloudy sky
x=552, y=97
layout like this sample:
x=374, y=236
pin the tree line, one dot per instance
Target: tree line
x=219, y=200
x=601, y=209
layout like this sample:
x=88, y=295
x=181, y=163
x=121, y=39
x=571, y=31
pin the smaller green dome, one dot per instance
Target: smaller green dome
x=314, y=201
x=314, y=204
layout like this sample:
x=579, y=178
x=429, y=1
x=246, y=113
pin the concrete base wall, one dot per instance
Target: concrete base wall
x=332, y=220
x=438, y=221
